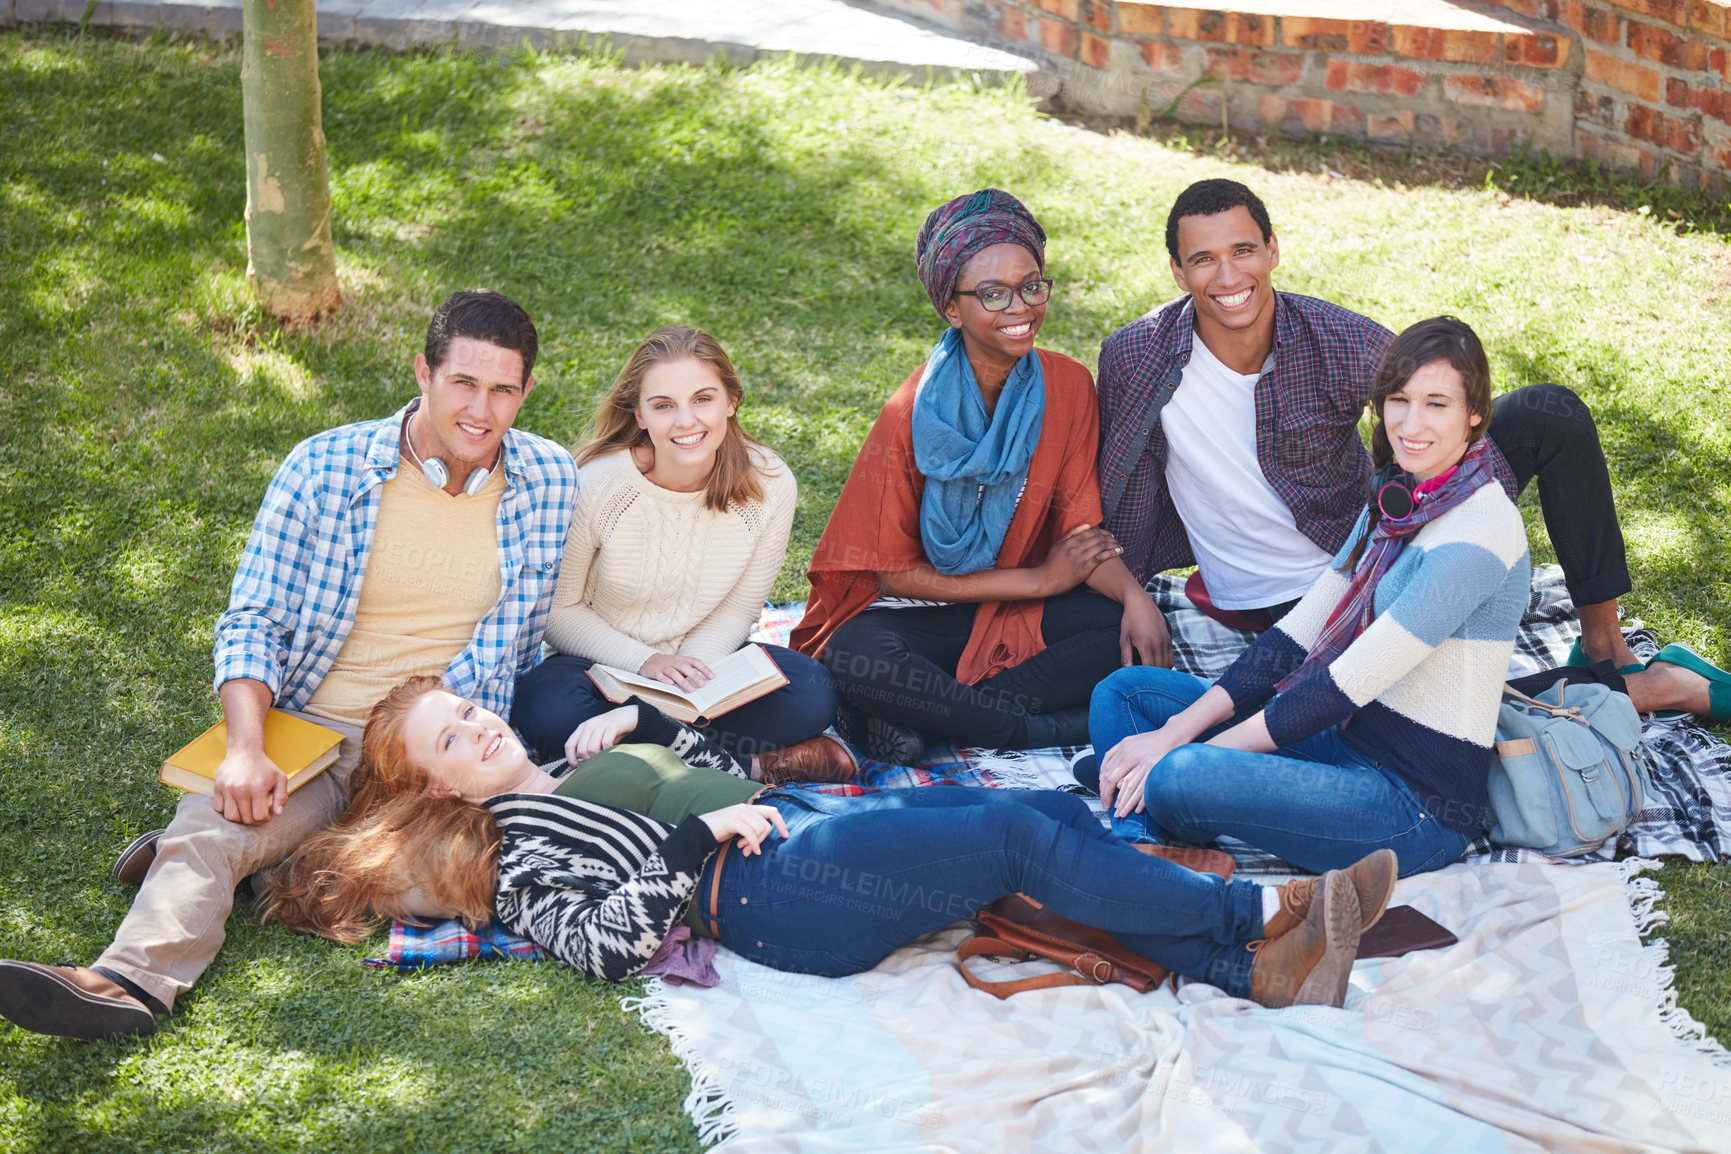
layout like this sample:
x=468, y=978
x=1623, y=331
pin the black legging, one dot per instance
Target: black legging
x=900, y=665
x=1547, y=431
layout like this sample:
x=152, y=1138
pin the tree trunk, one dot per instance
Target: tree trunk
x=291, y=264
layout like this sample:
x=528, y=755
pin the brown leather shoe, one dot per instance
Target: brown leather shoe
x=135, y=860
x=1373, y=877
x=55, y=1000
x=823, y=759
x=1312, y=964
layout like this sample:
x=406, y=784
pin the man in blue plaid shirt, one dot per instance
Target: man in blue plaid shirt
x=1229, y=433
x=427, y=542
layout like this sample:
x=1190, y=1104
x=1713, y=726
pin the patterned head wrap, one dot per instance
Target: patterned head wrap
x=956, y=231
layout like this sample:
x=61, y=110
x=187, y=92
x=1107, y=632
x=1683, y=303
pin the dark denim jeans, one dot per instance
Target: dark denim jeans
x=857, y=877
x=1319, y=803
x=556, y=696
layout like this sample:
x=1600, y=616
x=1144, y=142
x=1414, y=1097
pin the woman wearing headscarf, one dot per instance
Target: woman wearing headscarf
x=963, y=589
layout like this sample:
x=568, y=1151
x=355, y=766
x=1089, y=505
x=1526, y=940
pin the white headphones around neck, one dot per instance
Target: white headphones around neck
x=434, y=470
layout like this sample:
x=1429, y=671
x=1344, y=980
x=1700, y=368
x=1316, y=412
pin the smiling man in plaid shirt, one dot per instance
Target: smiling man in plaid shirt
x=427, y=542
x=1229, y=433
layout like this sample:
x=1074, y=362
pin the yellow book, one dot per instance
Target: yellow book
x=300, y=749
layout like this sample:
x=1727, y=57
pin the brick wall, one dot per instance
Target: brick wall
x=1643, y=85
x=1655, y=86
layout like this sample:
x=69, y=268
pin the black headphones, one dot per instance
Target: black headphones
x=1392, y=488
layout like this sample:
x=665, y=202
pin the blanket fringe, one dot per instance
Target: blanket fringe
x=1015, y=768
x=708, y=1106
x=1644, y=895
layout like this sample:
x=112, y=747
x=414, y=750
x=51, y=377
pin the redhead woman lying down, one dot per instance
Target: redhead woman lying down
x=803, y=882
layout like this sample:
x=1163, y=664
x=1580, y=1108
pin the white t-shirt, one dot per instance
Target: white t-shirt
x=1246, y=543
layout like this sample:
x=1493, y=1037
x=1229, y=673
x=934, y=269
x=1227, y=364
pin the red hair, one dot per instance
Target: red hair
x=394, y=848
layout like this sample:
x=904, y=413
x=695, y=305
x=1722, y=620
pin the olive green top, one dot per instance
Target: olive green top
x=651, y=780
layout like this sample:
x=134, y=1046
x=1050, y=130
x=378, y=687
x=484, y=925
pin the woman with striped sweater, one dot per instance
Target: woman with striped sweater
x=1364, y=719
x=449, y=803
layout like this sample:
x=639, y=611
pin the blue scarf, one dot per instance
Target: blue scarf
x=975, y=464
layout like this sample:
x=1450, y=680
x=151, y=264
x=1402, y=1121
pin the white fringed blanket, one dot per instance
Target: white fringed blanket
x=1549, y=1027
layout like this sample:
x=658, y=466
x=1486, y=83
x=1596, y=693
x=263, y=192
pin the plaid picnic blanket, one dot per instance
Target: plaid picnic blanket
x=1689, y=766
x=417, y=947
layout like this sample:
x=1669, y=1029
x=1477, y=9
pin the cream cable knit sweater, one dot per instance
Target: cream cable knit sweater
x=649, y=571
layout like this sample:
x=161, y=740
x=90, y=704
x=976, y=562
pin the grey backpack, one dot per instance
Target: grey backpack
x=1567, y=774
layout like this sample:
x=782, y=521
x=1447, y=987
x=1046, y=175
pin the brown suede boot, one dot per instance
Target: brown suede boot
x=1373, y=877
x=1312, y=964
x=823, y=759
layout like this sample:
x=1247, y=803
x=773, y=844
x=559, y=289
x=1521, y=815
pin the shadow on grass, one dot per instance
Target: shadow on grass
x=334, y=1056
x=1558, y=181
x=146, y=406
x=1663, y=475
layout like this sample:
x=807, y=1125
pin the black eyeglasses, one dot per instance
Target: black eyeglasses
x=995, y=298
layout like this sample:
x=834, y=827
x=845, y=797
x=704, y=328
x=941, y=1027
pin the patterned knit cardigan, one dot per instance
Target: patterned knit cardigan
x=597, y=887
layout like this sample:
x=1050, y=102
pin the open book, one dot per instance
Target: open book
x=300, y=749
x=739, y=678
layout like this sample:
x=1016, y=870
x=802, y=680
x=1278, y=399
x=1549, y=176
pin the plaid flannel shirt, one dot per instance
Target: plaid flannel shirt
x=293, y=600
x=1307, y=409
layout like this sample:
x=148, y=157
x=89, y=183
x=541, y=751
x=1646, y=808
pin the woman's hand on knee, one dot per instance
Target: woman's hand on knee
x=600, y=732
x=1125, y=768
x=749, y=823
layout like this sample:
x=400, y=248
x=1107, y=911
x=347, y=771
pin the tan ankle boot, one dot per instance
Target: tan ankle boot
x=1373, y=877
x=1312, y=963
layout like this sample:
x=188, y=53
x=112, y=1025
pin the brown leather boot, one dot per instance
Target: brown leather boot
x=1312, y=964
x=1373, y=877
x=823, y=759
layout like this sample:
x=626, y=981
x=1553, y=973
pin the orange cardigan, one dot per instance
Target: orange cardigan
x=876, y=524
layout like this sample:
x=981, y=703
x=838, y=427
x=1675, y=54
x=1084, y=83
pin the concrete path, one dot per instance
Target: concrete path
x=646, y=31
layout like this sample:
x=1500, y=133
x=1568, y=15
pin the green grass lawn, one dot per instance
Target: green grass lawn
x=144, y=404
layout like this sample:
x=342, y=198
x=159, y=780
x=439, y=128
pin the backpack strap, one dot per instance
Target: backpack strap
x=1572, y=712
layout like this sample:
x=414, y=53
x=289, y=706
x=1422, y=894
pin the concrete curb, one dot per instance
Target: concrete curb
x=738, y=31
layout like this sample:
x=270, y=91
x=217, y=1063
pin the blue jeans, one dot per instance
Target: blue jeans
x=857, y=877
x=1319, y=803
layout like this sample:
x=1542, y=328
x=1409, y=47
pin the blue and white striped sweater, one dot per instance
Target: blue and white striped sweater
x=1422, y=684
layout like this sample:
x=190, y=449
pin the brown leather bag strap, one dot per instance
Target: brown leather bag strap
x=998, y=948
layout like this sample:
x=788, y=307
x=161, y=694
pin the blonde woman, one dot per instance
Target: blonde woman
x=681, y=527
